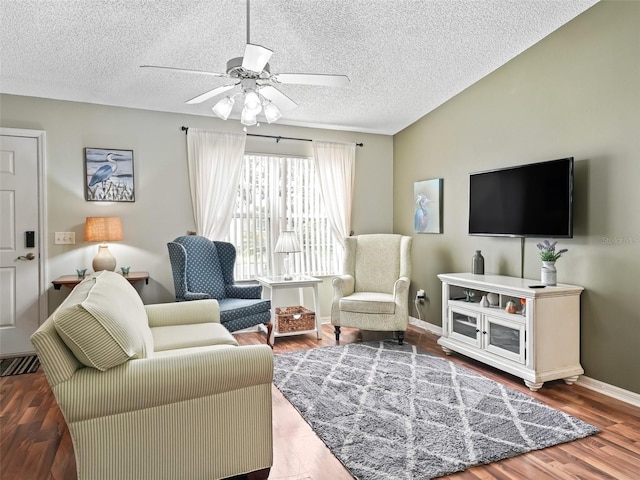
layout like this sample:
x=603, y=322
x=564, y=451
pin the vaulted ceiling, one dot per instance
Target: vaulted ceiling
x=404, y=57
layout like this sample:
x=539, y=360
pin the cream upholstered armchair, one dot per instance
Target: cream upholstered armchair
x=156, y=392
x=373, y=291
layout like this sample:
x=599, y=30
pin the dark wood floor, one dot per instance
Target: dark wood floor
x=35, y=442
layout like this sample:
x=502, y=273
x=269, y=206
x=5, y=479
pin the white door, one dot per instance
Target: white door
x=22, y=301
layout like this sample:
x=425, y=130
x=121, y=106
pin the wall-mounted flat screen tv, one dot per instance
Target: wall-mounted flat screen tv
x=533, y=200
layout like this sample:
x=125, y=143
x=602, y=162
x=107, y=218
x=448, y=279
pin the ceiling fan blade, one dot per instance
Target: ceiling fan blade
x=186, y=70
x=255, y=57
x=311, y=79
x=210, y=94
x=278, y=98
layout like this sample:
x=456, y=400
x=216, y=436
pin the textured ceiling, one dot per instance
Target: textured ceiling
x=404, y=57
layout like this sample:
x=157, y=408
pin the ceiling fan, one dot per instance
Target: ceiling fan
x=251, y=79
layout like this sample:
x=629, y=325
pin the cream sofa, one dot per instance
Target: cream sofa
x=155, y=391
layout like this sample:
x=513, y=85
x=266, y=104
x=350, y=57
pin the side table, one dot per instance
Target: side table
x=73, y=280
x=277, y=284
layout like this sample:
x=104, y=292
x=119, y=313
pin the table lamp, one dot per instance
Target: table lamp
x=103, y=229
x=287, y=243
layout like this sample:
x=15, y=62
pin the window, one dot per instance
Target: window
x=280, y=193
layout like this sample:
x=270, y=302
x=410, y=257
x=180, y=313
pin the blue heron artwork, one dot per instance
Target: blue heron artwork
x=427, y=206
x=109, y=175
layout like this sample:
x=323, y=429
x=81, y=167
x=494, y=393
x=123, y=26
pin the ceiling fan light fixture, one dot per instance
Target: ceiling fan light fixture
x=271, y=112
x=223, y=108
x=257, y=90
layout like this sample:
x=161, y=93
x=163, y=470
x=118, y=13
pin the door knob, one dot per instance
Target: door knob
x=28, y=256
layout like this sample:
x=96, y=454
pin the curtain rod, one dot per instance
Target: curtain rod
x=278, y=138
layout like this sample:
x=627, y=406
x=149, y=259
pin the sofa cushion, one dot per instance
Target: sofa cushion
x=103, y=322
x=173, y=337
x=368, y=302
x=190, y=350
x=234, y=308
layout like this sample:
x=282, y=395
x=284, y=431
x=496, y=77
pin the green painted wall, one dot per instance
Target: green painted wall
x=576, y=93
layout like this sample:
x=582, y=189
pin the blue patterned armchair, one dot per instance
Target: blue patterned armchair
x=204, y=269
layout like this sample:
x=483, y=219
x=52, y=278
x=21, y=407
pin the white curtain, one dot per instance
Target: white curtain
x=335, y=168
x=215, y=161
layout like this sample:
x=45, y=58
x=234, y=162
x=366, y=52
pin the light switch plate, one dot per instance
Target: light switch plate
x=65, y=238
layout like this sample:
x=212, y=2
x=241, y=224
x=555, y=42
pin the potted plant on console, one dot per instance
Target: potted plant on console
x=549, y=256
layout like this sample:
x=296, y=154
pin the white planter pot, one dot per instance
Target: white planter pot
x=548, y=274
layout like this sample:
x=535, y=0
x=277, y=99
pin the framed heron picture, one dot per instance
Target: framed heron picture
x=108, y=174
x=427, y=213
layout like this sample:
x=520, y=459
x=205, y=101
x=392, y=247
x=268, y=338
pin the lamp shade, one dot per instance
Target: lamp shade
x=287, y=242
x=102, y=229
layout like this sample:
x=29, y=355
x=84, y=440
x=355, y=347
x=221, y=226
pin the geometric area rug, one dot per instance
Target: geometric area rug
x=19, y=365
x=397, y=412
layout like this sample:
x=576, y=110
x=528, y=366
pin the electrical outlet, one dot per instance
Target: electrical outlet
x=420, y=294
x=65, y=238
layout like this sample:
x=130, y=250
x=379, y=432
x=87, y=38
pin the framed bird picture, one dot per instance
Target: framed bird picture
x=427, y=213
x=108, y=174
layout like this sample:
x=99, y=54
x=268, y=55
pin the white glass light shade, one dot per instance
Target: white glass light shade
x=223, y=108
x=252, y=103
x=271, y=112
x=248, y=117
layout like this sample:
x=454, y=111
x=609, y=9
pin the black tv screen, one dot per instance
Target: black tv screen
x=533, y=200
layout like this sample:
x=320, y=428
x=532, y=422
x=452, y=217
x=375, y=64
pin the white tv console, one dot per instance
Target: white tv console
x=540, y=344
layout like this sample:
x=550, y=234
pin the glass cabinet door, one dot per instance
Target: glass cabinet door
x=505, y=338
x=464, y=326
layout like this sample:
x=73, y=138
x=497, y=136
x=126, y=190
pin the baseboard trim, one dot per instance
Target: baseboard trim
x=426, y=326
x=610, y=390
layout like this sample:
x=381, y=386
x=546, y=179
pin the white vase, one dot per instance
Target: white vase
x=548, y=273
x=493, y=299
